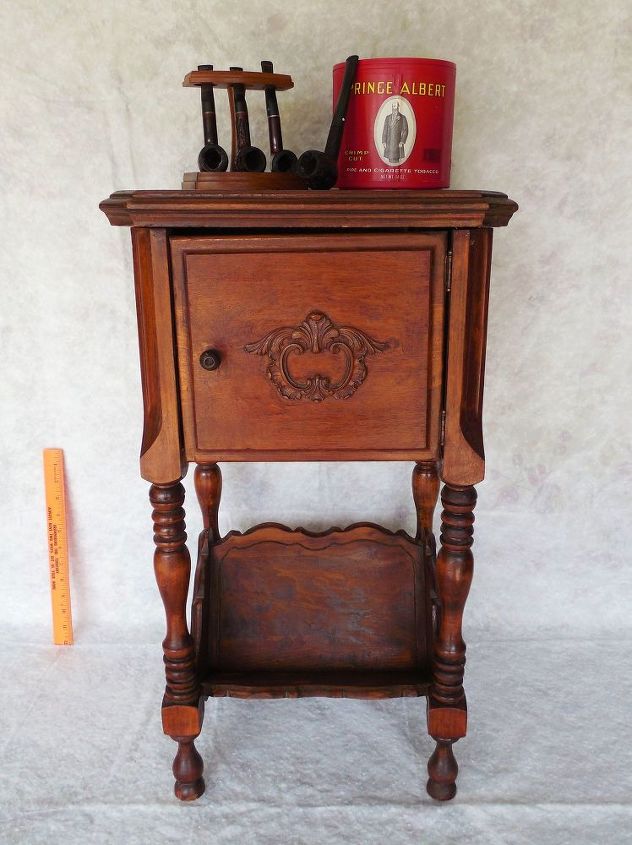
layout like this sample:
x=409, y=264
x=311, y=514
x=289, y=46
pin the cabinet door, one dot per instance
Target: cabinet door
x=324, y=347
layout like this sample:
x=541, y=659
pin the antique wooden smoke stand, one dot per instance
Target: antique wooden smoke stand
x=295, y=325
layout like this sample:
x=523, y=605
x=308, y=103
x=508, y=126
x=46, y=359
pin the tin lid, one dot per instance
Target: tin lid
x=396, y=61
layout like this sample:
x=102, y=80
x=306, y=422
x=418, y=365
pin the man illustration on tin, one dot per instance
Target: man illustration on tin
x=394, y=134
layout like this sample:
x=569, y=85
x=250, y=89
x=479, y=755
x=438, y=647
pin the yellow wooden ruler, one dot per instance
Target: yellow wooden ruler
x=58, y=546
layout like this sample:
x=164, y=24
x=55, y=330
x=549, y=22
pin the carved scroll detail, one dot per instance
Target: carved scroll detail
x=317, y=333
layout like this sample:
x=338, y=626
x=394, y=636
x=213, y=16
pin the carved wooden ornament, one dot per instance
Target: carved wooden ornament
x=317, y=333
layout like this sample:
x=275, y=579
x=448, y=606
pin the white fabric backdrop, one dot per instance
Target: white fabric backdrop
x=91, y=102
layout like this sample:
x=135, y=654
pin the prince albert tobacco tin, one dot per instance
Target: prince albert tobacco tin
x=398, y=129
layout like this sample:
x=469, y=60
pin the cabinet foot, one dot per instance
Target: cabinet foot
x=188, y=767
x=443, y=769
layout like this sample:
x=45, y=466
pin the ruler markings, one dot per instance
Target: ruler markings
x=58, y=563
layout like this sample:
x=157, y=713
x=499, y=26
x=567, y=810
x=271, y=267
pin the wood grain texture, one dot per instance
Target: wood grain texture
x=172, y=567
x=463, y=454
x=447, y=706
x=310, y=209
x=317, y=335
x=237, y=412
x=453, y=575
x=442, y=771
x=292, y=601
x=251, y=79
x=368, y=684
x=224, y=281
x=162, y=458
x=425, y=483
x=183, y=719
x=188, y=768
x=208, y=487
x=226, y=182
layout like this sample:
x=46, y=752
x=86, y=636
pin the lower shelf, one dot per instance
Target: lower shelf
x=317, y=609
x=328, y=684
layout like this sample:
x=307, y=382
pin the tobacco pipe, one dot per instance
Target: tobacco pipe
x=212, y=157
x=320, y=169
x=282, y=160
x=247, y=158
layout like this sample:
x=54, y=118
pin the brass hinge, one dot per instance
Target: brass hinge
x=442, y=436
x=448, y=270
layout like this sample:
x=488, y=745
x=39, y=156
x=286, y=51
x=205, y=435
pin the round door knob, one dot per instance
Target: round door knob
x=210, y=359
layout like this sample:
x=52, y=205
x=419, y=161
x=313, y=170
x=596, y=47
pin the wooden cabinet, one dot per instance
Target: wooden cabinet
x=343, y=325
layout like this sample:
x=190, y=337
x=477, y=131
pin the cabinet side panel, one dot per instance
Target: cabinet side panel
x=161, y=458
x=463, y=453
x=480, y=260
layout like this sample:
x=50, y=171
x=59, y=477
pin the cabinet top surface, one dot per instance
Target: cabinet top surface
x=309, y=209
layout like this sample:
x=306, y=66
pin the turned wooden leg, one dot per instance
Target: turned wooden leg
x=425, y=494
x=208, y=486
x=188, y=767
x=447, y=710
x=181, y=710
x=442, y=771
x=425, y=482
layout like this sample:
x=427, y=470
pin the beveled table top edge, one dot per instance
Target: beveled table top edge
x=309, y=209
